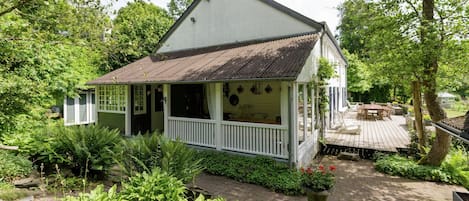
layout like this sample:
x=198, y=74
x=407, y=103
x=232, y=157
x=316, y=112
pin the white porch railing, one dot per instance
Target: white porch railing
x=192, y=131
x=255, y=138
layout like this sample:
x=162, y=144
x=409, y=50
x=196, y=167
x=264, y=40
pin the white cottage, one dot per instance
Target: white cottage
x=232, y=76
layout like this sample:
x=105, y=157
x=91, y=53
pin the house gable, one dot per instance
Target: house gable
x=217, y=22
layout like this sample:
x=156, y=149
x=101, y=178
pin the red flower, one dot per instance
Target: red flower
x=302, y=170
x=321, y=167
x=332, y=168
x=309, y=170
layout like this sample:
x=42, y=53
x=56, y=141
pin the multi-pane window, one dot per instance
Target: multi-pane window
x=139, y=99
x=112, y=98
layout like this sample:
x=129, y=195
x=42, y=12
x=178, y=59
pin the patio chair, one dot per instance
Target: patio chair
x=360, y=113
x=348, y=128
x=353, y=108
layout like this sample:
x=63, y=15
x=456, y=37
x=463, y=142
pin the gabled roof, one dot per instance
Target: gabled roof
x=271, y=3
x=281, y=59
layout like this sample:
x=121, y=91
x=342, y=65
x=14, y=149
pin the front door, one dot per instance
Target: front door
x=157, y=106
x=141, y=114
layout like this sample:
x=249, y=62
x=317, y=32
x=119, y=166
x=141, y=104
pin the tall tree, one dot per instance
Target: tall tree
x=407, y=40
x=177, y=7
x=44, y=56
x=137, y=30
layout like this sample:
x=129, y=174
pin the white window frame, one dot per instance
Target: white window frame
x=112, y=98
x=89, y=109
x=140, y=99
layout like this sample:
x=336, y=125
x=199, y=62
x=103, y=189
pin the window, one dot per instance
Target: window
x=112, y=98
x=81, y=109
x=140, y=106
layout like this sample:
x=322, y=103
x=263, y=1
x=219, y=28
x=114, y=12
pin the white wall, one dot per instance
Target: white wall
x=228, y=21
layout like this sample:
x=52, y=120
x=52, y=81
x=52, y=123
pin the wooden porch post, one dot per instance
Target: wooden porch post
x=128, y=109
x=293, y=99
x=218, y=116
x=166, y=106
x=284, y=113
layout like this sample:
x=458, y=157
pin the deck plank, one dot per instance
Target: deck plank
x=382, y=135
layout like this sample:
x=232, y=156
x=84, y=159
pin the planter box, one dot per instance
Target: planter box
x=460, y=196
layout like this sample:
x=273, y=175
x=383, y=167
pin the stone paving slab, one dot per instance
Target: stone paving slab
x=356, y=180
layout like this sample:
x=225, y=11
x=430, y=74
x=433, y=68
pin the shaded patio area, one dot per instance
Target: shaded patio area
x=389, y=134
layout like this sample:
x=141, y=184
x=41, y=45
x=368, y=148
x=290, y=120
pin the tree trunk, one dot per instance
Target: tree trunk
x=431, y=48
x=417, y=103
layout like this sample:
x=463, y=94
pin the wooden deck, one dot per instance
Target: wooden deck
x=381, y=135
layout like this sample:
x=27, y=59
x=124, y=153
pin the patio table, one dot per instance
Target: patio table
x=373, y=107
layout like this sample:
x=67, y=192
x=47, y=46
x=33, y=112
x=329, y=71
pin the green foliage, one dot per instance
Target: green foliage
x=49, y=49
x=12, y=166
x=177, y=7
x=12, y=194
x=98, y=194
x=145, y=152
x=157, y=185
x=318, y=180
x=358, y=74
x=137, y=29
x=454, y=169
x=325, y=71
x=83, y=148
x=179, y=161
x=140, y=153
x=256, y=170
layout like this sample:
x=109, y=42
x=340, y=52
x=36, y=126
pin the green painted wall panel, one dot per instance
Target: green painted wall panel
x=112, y=120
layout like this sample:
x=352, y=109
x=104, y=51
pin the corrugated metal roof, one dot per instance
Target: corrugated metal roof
x=281, y=59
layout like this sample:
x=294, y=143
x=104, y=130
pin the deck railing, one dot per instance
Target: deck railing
x=255, y=138
x=252, y=138
x=192, y=131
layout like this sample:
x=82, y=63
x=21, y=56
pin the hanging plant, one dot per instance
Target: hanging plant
x=240, y=89
x=268, y=89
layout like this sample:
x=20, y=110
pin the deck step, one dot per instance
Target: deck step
x=348, y=156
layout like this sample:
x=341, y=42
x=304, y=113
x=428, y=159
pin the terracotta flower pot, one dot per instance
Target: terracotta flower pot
x=316, y=196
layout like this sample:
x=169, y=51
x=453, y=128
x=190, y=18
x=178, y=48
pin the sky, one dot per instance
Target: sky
x=318, y=10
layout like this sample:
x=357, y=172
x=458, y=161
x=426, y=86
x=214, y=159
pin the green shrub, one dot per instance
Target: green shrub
x=457, y=164
x=12, y=165
x=452, y=171
x=98, y=194
x=157, y=185
x=145, y=152
x=179, y=160
x=256, y=170
x=31, y=137
x=83, y=148
x=140, y=153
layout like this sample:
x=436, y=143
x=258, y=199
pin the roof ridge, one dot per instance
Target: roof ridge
x=208, y=49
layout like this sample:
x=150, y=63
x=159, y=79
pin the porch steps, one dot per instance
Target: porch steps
x=364, y=153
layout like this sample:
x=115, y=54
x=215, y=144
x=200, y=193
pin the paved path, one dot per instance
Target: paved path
x=355, y=181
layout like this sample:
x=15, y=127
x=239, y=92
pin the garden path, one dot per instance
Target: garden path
x=355, y=181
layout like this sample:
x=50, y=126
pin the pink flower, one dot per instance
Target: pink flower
x=332, y=168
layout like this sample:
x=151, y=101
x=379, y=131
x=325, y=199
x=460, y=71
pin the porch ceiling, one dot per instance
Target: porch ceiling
x=280, y=59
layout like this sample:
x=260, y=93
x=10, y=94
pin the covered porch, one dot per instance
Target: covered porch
x=254, y=99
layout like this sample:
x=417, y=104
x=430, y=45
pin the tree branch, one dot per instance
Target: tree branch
x=19, y=4
x=417, y=13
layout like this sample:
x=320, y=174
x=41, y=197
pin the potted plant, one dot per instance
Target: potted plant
x=318, y=183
